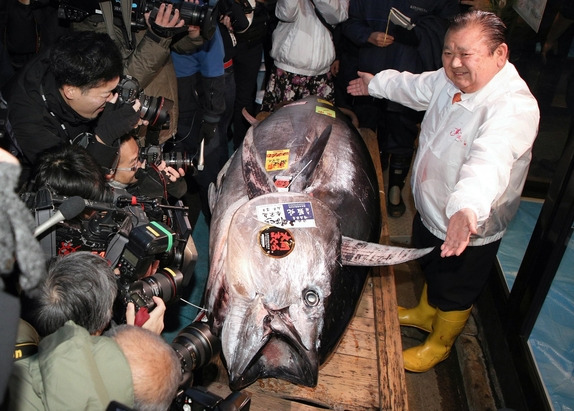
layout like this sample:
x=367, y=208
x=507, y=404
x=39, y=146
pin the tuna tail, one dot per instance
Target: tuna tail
x=250, y=119
x=361, y=253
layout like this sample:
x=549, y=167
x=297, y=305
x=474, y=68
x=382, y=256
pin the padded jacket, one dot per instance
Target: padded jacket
x=71, y=371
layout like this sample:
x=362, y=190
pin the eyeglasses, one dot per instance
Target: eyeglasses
x=133, y=168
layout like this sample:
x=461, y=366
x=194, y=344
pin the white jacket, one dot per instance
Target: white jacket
x=301, y=43
x=473, y=154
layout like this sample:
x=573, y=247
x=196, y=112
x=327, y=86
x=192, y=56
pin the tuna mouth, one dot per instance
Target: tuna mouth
x=279, y=358
x=268, y=344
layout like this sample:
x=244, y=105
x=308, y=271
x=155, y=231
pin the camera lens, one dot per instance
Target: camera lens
x=163, y=284
x=155, y=110
x=193, y=14
x=196, y=346
x=178, y=159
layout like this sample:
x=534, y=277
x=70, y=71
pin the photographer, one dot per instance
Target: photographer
x=131, y=366
x=67, y=96
x=140, y=179
x=82, y=287
x=146, y=47
x=70, y=171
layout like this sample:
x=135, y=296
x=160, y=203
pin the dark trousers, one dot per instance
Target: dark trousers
x=454, y=283
x=246, y=64
x=396, y=125
x=188, y=126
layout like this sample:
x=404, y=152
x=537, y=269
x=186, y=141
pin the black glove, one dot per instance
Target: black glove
x=406, y=37
x=207, y=131
x=116, y=120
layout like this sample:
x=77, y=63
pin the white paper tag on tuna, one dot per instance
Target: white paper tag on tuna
x=295, y=215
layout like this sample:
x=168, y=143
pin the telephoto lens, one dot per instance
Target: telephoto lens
x=178, y=159
x=195, y=347
x=163, y=284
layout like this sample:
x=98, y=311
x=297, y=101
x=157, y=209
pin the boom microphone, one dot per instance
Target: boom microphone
x=69, y=208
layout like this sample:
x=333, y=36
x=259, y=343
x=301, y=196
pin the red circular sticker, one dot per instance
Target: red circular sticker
x=276, y=241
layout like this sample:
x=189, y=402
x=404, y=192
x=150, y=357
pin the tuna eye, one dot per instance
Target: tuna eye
x=311, y=298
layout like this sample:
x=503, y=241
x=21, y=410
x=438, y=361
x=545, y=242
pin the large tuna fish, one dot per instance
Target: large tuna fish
x=292, y=210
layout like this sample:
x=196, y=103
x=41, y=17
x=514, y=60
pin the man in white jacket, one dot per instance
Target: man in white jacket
x=303, y=50
x=475, y=148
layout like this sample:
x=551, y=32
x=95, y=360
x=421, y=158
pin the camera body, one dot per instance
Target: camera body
x=155, y=110
x=78, y=10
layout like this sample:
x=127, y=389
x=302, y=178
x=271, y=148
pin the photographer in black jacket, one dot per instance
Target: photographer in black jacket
x=67, y=96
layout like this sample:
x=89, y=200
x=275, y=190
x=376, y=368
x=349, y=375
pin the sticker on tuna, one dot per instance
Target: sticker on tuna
x=282, y=183
x=326, y=111
x=277, y=160
x=323, y=101
x=276, y=242
x=295, y=215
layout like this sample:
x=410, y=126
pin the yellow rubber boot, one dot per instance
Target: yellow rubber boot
x=420, y=316
x=446, y=327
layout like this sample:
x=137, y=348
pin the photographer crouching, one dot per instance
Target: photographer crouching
x=67, y=96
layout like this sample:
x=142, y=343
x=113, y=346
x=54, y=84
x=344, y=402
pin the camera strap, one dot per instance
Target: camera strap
x=45, y=100
x=108, y=14
x=329, y=27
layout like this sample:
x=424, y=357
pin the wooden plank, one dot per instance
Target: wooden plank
x=392, y=382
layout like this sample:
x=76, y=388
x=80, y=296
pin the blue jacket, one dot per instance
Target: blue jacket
x=208, y=60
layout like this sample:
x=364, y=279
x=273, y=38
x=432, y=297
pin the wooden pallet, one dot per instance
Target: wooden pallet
x=366, y=371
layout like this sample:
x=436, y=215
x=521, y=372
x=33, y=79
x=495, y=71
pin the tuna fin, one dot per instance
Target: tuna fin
x=306, y=165
x=361, y=253
x=257, y=180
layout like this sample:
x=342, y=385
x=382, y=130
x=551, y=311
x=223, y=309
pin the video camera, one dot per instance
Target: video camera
x=131, y=234
x=192, y=14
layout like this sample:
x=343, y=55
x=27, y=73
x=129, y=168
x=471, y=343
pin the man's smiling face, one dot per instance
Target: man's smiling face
x=91, y=102
x=468, y=60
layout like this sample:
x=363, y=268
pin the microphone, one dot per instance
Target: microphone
x=69, y=208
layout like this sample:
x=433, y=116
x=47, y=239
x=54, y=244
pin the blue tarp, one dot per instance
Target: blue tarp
x=552, y=338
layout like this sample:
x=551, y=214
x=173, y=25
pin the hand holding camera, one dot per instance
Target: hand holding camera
x=165, y=20
x=117, y=120
x=150, y=320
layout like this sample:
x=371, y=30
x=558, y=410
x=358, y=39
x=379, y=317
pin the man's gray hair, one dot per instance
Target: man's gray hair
x=81, y=287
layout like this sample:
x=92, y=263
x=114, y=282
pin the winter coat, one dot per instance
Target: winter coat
x=149, y=62
x=35, y=124
x=71, y=371
x=301, y=43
